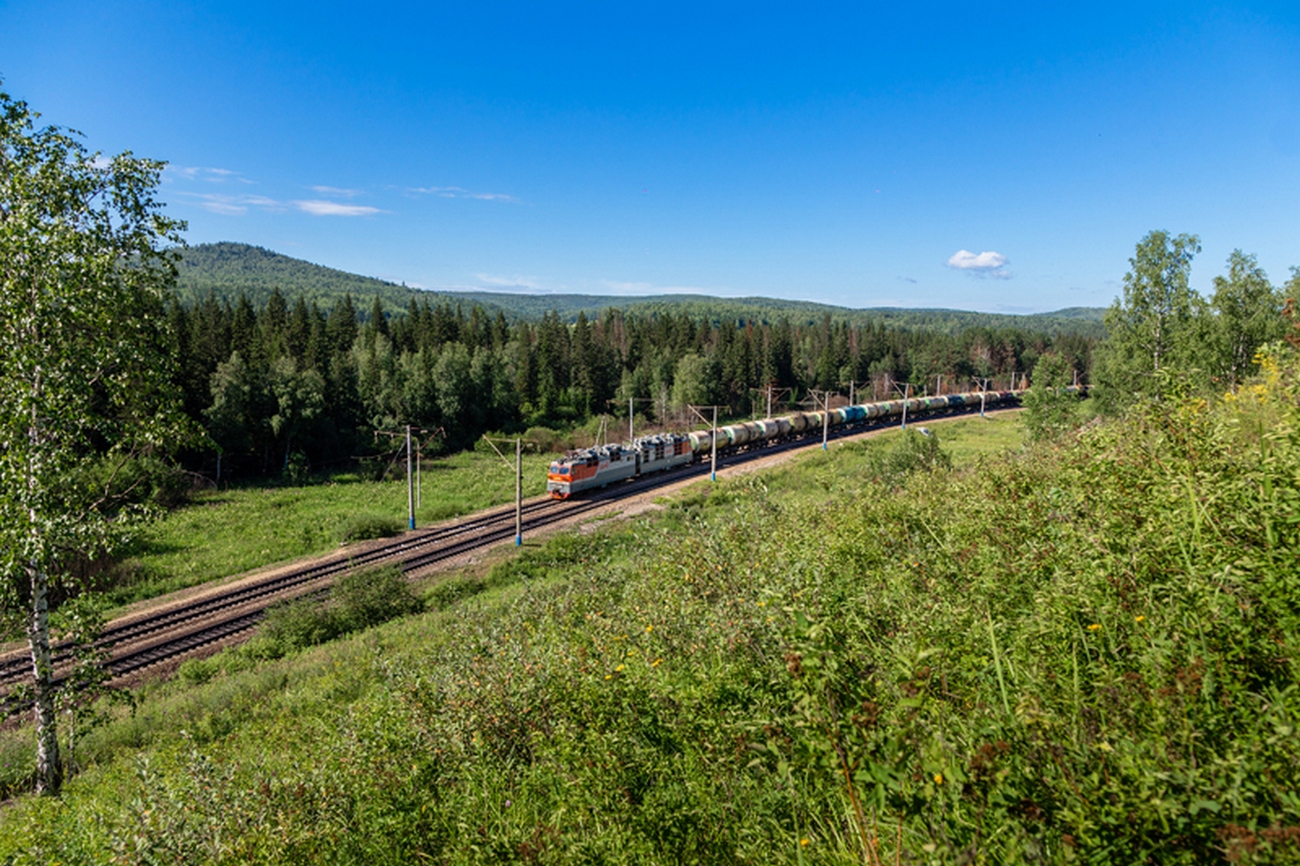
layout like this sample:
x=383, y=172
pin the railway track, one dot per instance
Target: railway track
x=180, y=629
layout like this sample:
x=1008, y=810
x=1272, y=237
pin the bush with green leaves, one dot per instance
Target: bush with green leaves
x=358, y=601
x=1081, y=653
x=363, y=527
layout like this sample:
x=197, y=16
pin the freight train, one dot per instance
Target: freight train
x=598, y=466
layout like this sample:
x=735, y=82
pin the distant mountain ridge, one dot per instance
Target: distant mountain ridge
x=228, y=269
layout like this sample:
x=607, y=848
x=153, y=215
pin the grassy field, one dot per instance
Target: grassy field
x=228, y=532
x=1084, y=652
x=1080, y=653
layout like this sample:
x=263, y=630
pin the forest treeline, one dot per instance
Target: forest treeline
x=288, y=385
x=230, y=269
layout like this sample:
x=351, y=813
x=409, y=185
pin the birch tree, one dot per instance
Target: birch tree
x=1156, y=326
x=85, y=263
x=1249, y=314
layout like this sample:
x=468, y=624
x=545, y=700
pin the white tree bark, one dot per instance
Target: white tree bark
x=49, y=769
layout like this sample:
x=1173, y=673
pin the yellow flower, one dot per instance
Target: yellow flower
x=938, y=778
x=1094, y=627
x=649, y=629
x=803, y=841
x=1139, y=619
x=619, y=668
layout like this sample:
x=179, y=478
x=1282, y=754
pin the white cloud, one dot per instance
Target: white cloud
x=336, y=191
x=233, y=205
x=985, y=264
x=319, y=207
x=194, y=172
x=460, y=192
x=513, y=282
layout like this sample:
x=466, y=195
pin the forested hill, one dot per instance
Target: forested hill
x=229, y=269
x=1085, y=321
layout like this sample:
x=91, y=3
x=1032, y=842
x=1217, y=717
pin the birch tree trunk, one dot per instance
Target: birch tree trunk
x=49, y=769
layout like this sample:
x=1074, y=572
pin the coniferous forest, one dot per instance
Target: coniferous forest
x=291, y=386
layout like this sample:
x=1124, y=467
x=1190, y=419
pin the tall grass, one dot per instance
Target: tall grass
x=1084, y=652
x=232, y=531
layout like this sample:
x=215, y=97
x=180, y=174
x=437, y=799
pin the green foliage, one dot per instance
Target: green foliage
x=224, y=532
x=1158, y=324
x=917, y=450
x=1050, y=411
x=231, y=269
x=367, y=598
x=366, y=526
x=85, y=267
x=1249, y=315
x=1165, y=340
x=314, y=378
x=1078, y=653
x=358, y=601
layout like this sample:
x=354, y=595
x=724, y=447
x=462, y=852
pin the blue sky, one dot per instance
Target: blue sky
x=999, y=157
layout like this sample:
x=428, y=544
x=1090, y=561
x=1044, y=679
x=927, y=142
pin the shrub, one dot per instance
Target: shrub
x=365, y=526
x=917, y=450
x=301, y=623
x=548, y=440
x=368, y=598
x=358, y=601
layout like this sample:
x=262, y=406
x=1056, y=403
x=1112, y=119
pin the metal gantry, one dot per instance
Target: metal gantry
x=519, y=481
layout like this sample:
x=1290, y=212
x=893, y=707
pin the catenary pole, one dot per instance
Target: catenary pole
x=713, y=458
x=519, y=491
x=826, y=420
x=410, y=490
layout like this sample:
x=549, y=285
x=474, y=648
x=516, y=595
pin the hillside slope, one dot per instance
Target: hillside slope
x=1086, y=652
x=231, y=268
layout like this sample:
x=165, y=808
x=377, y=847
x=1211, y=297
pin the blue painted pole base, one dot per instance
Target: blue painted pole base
x=519, y=540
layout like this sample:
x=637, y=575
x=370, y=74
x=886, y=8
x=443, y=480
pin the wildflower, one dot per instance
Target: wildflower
x=1139, y=619
x=1094, y=627
x=938, y=778
x=649, y=629
x=618, y=669
x=803, y=841
x=655, y=663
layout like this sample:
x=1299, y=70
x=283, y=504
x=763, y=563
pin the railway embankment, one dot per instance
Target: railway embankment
x=1084, y=650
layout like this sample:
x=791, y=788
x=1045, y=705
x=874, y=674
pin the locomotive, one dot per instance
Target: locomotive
x=587, y=468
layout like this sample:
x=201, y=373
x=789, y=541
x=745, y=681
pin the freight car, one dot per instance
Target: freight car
x=598, y=466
